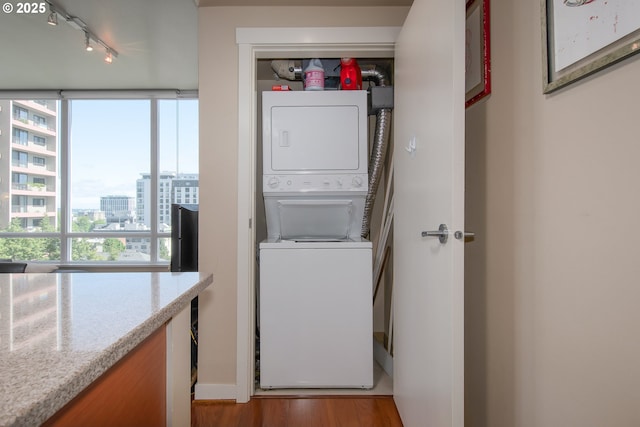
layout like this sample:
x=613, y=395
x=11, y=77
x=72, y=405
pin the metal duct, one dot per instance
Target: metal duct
x=378, y=149
x=287, y=69
x=372, y=73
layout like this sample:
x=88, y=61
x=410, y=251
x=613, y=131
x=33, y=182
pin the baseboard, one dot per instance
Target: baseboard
x=216, y=392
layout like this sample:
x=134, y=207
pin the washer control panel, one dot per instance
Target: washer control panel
x=302, y=183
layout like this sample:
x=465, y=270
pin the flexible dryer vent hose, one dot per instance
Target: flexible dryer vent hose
x=378, y=149
x=376, y=165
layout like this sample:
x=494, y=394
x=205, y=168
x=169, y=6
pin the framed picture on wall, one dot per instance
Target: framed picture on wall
x=477, y=52
x=581, y=37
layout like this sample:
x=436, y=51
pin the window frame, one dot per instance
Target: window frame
x=19, y=158
x=40, y=141
x=17, y=136
x=40, y=121
x=19, y=112
x=66, y=233
x=39, y=161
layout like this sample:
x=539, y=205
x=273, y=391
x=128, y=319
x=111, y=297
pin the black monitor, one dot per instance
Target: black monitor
x=184, y=237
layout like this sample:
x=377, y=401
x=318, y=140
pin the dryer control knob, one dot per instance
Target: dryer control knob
x=357, y=181
x=273, y=182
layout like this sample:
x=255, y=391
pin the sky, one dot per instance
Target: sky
x=110, y=145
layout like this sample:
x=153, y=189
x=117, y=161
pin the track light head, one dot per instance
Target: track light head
x=52, y=19
x=108, y=57
x=87, y=42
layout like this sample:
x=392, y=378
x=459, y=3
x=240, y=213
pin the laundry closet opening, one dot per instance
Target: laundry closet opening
x=323, y=226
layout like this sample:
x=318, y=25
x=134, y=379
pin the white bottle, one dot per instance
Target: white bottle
x=314, y=75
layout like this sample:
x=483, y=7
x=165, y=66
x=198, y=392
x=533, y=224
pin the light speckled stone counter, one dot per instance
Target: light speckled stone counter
x=60, y=332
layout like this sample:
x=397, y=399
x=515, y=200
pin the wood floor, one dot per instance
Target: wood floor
x=304, y=411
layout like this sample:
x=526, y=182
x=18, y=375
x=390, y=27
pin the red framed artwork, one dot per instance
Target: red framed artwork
x=477, y=52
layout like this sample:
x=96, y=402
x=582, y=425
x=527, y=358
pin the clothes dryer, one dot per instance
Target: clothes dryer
x=314, y=163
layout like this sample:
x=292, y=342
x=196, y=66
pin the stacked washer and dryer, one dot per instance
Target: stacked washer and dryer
x=315, y=293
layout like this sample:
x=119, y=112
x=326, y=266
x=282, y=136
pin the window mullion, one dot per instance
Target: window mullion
x=65, y=181
x=155, y=179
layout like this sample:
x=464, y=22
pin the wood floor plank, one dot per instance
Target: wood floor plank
x=344, y=413
x=272, y=413
x=320, y=411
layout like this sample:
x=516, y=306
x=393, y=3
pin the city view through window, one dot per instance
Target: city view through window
x=94, y=180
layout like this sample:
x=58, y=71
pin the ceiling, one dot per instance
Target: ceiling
x=156, y=41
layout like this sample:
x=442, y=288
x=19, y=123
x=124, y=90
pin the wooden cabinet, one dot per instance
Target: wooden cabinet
x=131, y=393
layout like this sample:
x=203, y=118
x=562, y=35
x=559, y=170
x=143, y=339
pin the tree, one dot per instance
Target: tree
x=83, y=250
x=51, y=244
x=113, y=247
x=23, y=249
x=81, y=225
x=164, y=249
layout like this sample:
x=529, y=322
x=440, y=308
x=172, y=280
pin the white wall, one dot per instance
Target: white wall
x=218, y=89
x=553, y=276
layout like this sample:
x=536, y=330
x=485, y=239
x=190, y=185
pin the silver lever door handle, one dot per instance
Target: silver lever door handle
x=442, y=233
x=467, y=236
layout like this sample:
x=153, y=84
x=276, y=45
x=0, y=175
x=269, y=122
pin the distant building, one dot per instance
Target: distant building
x=92, y=214
x=133, y=256
x=180, y=188
x=28, y=162
x=185, y=190
x=118, y=209
x=136, y=244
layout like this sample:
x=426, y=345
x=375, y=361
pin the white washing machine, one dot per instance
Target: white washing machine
x=315, y=294
x=316, y=319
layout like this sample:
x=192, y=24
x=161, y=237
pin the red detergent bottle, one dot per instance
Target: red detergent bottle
x=350, y=74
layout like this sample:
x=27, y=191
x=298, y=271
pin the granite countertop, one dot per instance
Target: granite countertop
x=60, y=332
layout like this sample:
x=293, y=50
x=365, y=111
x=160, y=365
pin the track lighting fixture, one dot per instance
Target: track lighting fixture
x=53, y=18
x=90, y=38
x=87, y=42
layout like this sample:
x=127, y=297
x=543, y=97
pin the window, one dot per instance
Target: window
x=19, y=159
x=40, y=121
x=19, y=203
x=19, y=178
x=21, y=114
x=121, y=150
x=20, y=136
